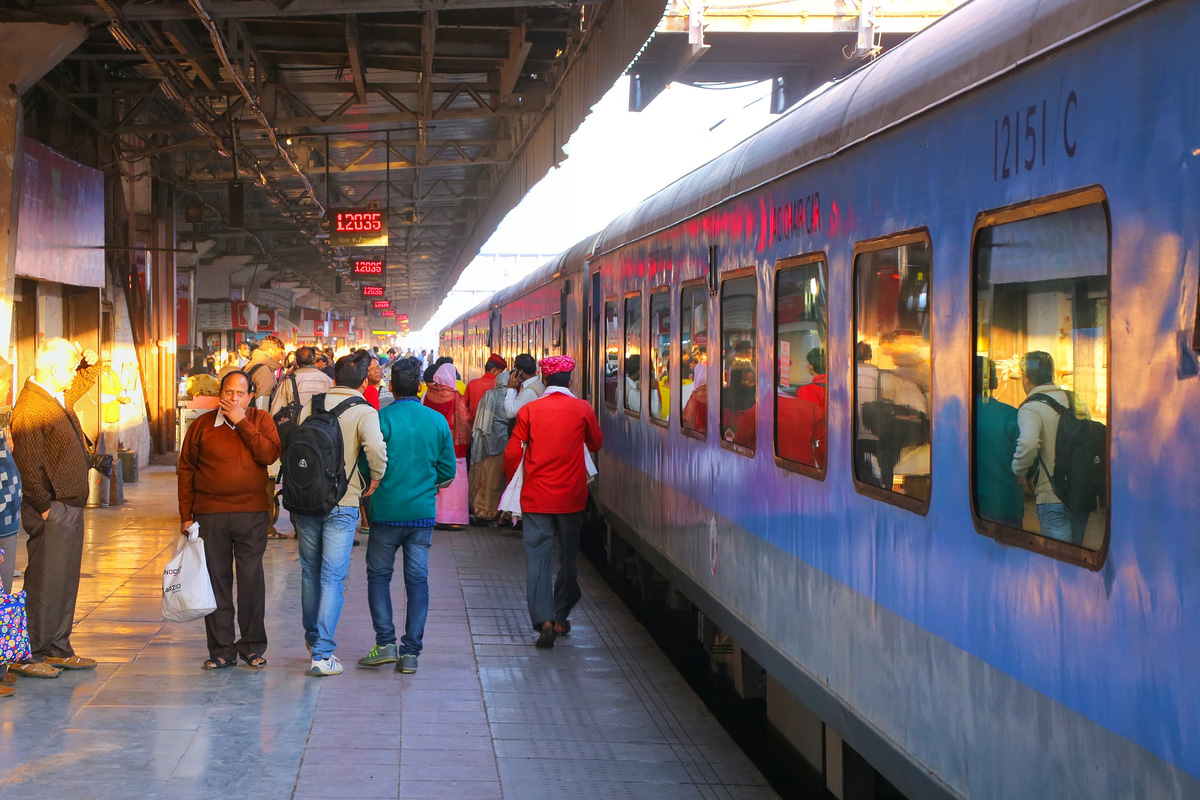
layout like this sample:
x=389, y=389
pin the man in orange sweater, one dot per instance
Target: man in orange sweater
x=222, y=469
x=553, y=430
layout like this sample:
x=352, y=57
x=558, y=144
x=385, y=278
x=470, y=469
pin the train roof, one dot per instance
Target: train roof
x=567, y=262
x=973, y=43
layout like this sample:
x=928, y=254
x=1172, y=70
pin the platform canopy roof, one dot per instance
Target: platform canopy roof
x=444, y=113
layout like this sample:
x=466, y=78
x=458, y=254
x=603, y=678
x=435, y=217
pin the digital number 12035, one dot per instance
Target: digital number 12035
x=1020, y=141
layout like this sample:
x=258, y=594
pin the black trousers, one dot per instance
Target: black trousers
x=236, y=543
x=55, y=550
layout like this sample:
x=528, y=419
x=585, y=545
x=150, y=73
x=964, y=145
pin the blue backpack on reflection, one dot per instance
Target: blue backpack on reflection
x=1080, y=457
x=313, y=466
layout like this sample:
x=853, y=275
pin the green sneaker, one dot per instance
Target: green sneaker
x=408, y=664
x=379, y=655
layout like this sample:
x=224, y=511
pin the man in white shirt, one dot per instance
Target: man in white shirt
x=523, y=385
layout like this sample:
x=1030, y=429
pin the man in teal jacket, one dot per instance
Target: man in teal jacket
x=421, y=458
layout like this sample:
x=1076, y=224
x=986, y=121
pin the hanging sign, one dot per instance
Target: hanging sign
x=387, y=312
x=365, y=266
x=372, y=290
x=357, y=227
x=383, y=304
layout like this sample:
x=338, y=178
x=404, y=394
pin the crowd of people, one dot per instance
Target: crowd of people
x=404, y=457
x=417, y=452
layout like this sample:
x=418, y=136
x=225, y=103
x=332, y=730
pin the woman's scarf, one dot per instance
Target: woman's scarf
x=443, y=397
x=490, y=439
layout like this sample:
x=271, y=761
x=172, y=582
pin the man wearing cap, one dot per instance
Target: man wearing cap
x=550, y=436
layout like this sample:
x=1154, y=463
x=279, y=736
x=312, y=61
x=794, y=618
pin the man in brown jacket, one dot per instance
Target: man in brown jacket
x=48, y=447
x=222, y=467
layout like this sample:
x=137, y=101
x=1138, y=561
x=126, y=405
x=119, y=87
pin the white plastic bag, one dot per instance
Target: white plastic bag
x=187, y=590
x=510, y=501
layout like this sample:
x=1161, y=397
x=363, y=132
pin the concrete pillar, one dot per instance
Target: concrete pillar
x=10, y=203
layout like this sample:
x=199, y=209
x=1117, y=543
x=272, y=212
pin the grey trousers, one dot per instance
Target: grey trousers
x=52, y=577
x=551, y=599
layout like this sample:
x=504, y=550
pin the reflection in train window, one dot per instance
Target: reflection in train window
x=660, y=355
x=739, y=374
x=800, y=342
x=633, y=353
x=693, y=358
x=892, y=369
x=556, y=334
x=612, y=352
x=1041, y=356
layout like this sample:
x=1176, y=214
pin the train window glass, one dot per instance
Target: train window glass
x=612, y=352
x=660, y=355
x=892, y=377
x=556, y=332
x=739, y=372
x=801, y=317
x=693, y=359
x=633, y=353
x=1041, y=310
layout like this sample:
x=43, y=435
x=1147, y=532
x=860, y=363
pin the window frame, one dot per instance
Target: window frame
x=672, y=346
x=625, y=349
x=794, y=262
x=733, y=274
x=1062, y=551
x=617, y=305
x=677, y=341
x=875, y=245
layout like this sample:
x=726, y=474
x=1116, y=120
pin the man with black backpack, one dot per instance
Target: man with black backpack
x=322, y=486
x=1057, y=458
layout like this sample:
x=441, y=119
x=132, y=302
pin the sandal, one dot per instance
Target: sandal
x=278, y=535
x=254, y=661
x=34, y=669
x=218, y=663
x=562, y=628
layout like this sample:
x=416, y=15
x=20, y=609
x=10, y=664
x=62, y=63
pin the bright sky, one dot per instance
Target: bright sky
x=617, y=158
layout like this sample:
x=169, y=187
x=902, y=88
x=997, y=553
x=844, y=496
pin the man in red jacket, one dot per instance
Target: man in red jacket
x=553, y=430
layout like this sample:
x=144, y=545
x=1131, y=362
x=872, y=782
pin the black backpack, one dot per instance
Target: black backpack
x=313, y=465
x=285, y=418
x=1080, y=457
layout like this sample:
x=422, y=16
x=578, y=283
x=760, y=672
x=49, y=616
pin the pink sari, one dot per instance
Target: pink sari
x=443, y=397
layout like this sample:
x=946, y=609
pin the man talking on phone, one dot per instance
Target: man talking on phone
x=48, y=446
x=523, y=386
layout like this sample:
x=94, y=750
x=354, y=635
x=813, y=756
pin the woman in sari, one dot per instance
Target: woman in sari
x=489, y=438
x=443, y=397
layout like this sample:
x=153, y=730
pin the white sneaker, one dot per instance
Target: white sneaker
x=325, y=666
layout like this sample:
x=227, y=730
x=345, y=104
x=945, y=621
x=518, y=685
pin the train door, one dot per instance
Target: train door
x=594, y=345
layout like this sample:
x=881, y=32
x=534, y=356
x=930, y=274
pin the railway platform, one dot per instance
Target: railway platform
x=601, y=715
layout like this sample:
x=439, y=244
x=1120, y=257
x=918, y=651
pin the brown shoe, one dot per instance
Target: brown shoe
x=7, y=691
x=34, y=669
x=71, y=662
x=9, y=678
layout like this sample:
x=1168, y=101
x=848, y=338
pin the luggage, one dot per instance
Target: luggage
x=313, y=465
x=14, y=629
x=187, y=589
x=1080, y=457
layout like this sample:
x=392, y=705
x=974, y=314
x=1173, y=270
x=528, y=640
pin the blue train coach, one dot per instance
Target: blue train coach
x=811, y=360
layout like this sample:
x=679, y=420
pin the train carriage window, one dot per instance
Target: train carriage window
x=801, y=317
x=1041, y=357
x=693, y=359
x=556, y=334
x=612, y=352
x=892, y=371
x=633, y=353
x=739, y=370
x=660, y=355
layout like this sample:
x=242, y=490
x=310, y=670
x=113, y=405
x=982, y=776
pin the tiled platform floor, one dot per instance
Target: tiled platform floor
x=602, y=715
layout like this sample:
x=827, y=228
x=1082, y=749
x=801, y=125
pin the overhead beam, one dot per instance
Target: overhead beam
x=518, y=51
x=356, y=63
x=268, y=9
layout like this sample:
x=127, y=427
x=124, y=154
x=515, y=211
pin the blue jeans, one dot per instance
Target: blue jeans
x=325, y=547
x=382, y=545
x=1059, y=523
